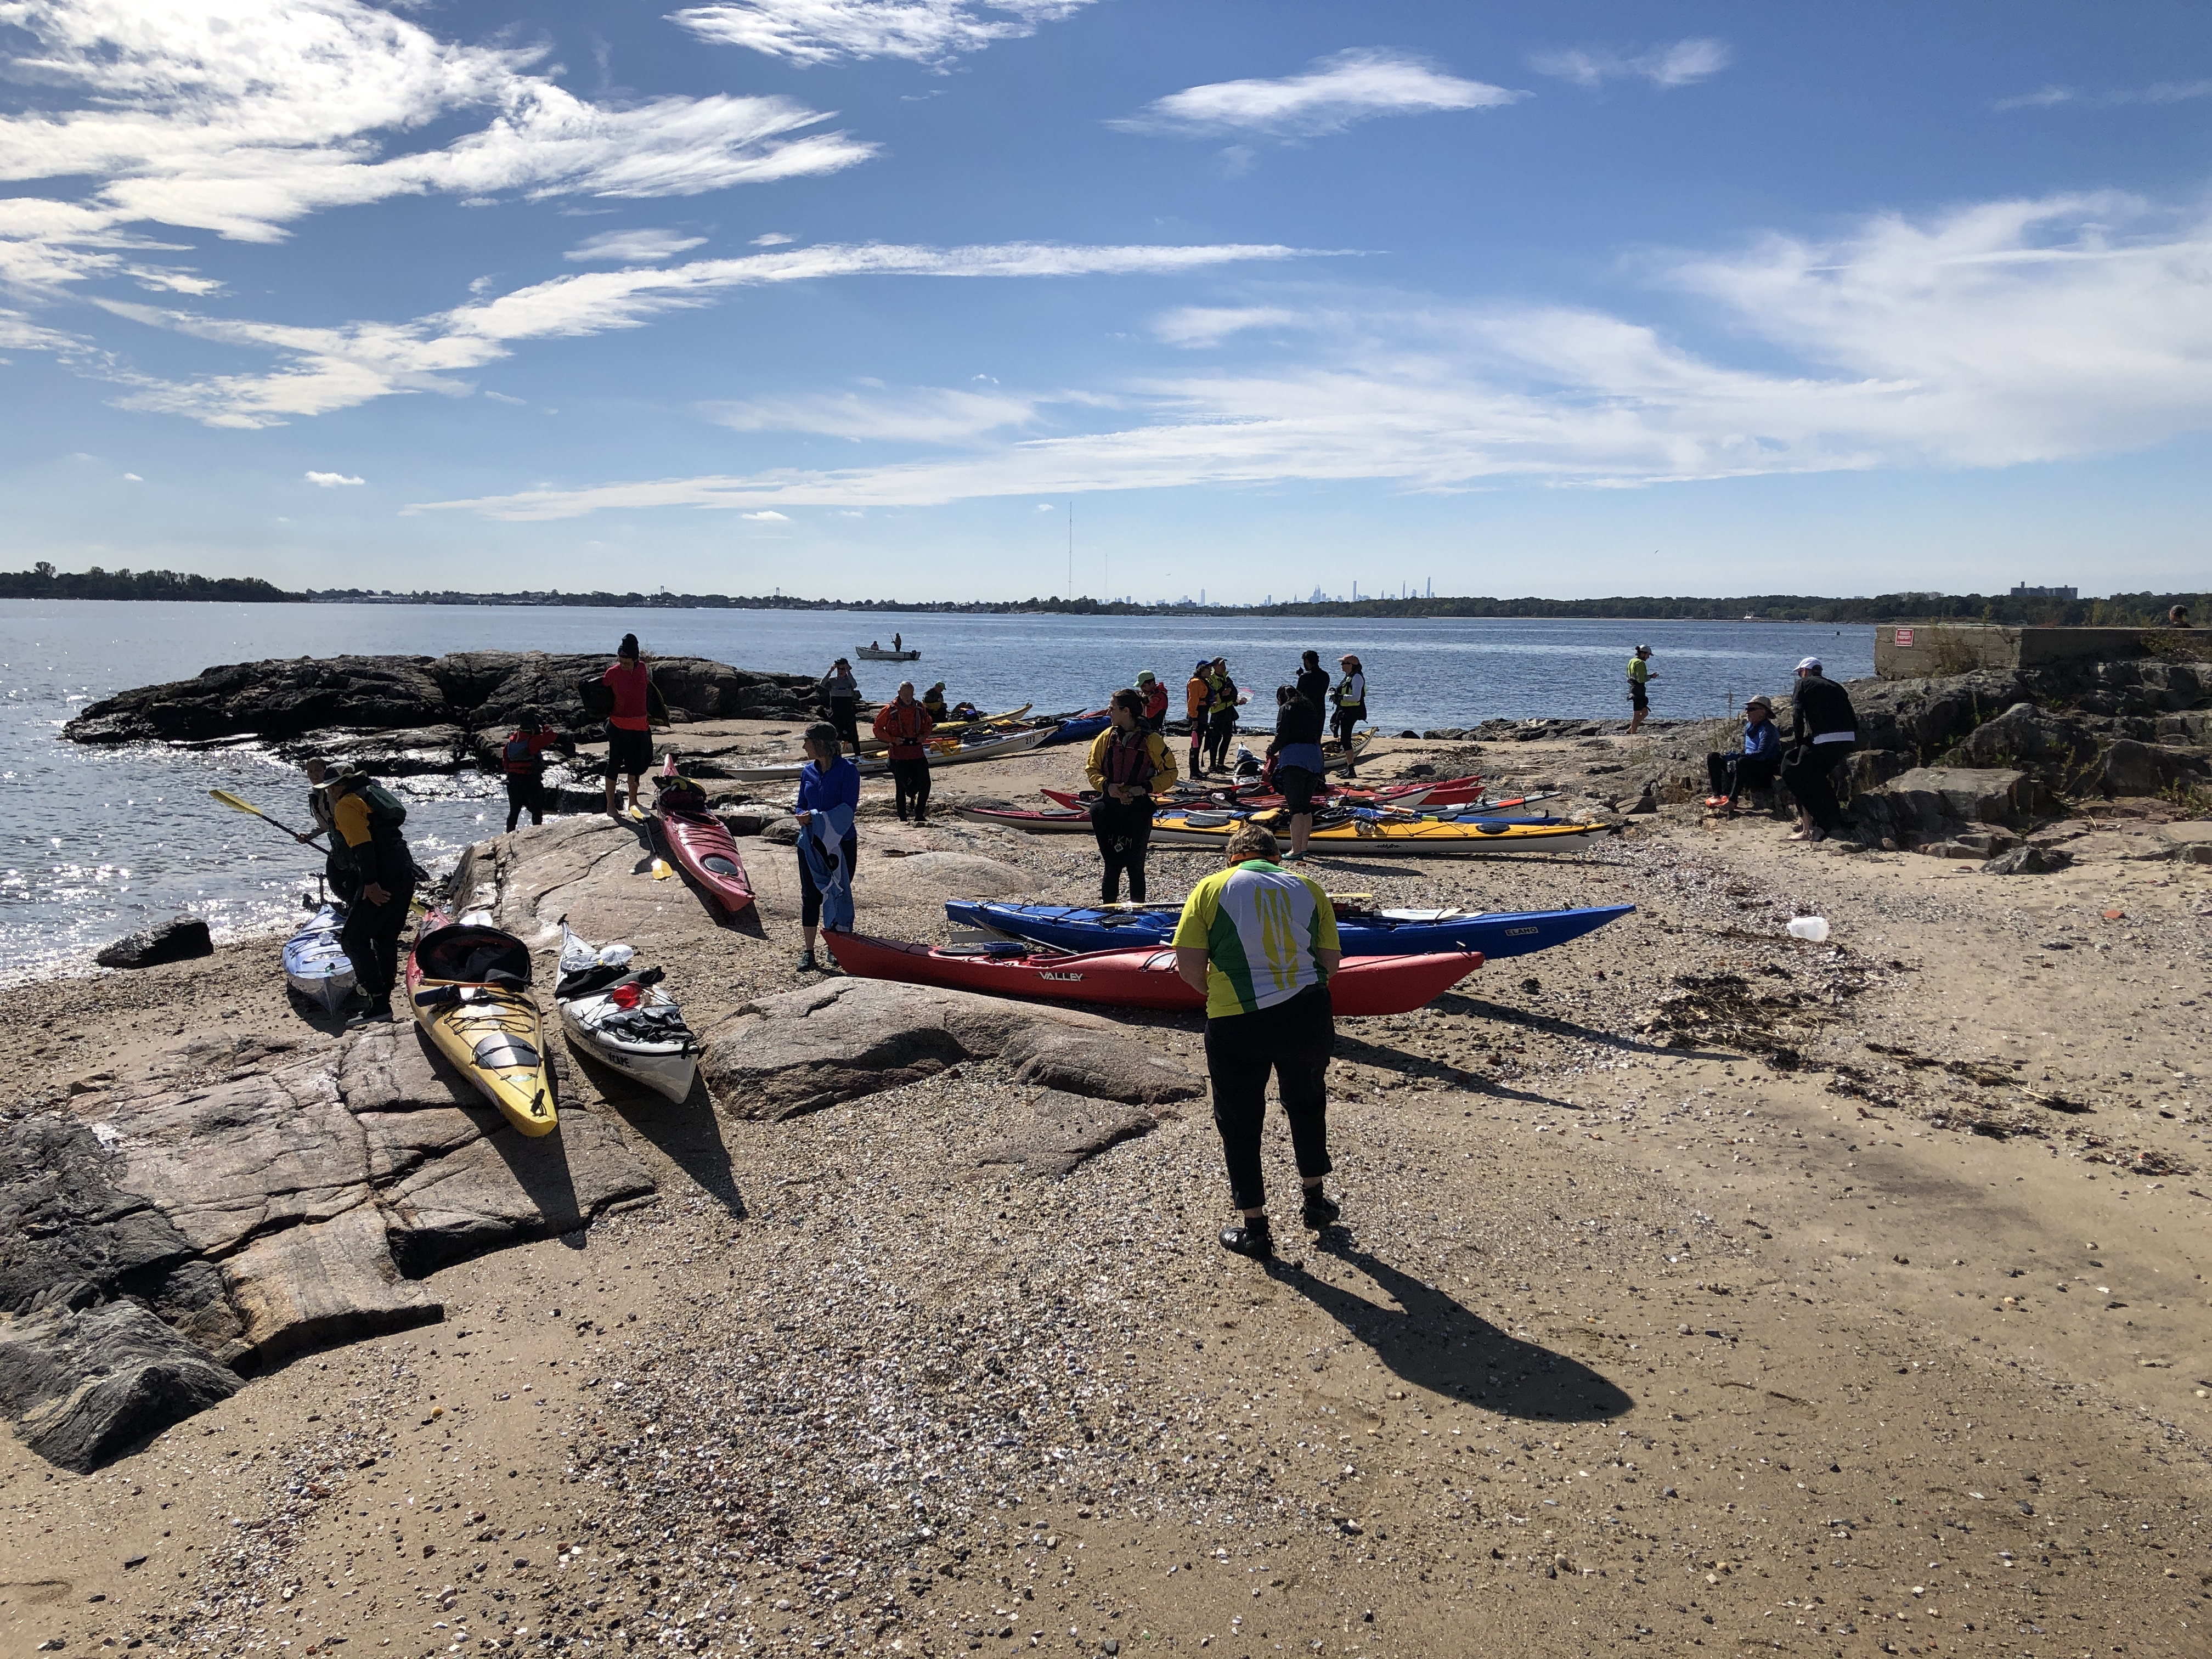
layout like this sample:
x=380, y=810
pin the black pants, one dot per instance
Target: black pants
x=344, y=880
x=845, y=715
x=1220, y=732
x=810, y=896
x=525, y=795
x=1342, y=723
x=910, y=779
x=1124, y=829
x=1294, y=1039
x=1731, y=774
x=1805, y=773
x=371, y=937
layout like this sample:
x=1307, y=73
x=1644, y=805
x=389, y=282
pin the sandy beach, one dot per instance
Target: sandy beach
x=1701, y=1288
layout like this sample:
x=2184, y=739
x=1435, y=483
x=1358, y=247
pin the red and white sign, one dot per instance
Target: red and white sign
x=1904, y=636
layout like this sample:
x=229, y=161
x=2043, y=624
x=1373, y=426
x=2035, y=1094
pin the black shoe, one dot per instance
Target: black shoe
x=1320, y=1210
x=1252, y=1239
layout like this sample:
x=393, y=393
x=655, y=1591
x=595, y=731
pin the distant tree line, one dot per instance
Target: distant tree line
x=42, y=582
x=2118, y=611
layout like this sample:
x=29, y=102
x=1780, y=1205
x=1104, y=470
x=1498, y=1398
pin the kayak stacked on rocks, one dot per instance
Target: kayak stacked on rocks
x=316, y=965
x=1387, y=932
x=468, y=984
x=1144, y=978
x=624, y=1017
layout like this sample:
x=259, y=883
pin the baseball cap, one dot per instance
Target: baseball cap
x=1145, y=678
x=1813, y=663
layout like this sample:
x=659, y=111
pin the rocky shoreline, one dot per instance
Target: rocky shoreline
x=906, y=1334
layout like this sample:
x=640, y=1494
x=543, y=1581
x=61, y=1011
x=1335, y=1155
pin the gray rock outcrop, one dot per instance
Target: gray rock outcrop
x=179, y=939
x=392, y=696
x=85, y=1383
x=1070, y=1130
x=802, y=1050
x=1118, y=1064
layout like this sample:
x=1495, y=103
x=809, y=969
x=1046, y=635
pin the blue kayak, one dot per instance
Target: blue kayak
x=1497, y=934
x=1079, y=730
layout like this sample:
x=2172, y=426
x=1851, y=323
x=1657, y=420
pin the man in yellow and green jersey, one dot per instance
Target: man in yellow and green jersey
x=1639, y=688
x=1261, y=941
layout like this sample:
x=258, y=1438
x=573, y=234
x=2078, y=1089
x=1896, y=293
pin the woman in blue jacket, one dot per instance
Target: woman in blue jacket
x=829, y=847
x=1755, y=766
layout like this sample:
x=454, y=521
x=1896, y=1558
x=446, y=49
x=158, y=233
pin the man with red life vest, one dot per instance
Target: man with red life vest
x=1156, y=701
x=630, y=728
x=1128, y=766
x=522, y=757
x=905, y=725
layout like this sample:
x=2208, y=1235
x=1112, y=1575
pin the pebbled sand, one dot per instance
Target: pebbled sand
x=1712, y=1318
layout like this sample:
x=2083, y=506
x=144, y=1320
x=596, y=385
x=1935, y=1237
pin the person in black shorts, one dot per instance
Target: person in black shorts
x=1295, y=752
x=842, y=693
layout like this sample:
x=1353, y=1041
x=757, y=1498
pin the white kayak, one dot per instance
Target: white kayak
x=1020, y=742
x=315, y=961
x=624, y=1020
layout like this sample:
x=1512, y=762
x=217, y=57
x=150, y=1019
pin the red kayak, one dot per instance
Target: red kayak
x=702, y=848
x=1144, y=978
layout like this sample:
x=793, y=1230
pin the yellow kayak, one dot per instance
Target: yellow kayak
x=469, y=985
x=1489, y=838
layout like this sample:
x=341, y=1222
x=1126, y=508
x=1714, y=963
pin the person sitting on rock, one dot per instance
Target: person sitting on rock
x=522, y=758
x=1753, y=766
x=933, y=703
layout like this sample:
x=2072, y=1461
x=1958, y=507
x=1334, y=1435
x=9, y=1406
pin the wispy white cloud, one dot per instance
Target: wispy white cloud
x=2001, y=334
x=822, y=31
x=1351, y=86
x=767, y=516
x=2163, y=92
x=1208, y=326
x=240, y=115
x=1676, y=63
x=925, y=414
x=331, y=480
x=626, y=247
x=772, y=238
x=333, y=368
x=132, y=478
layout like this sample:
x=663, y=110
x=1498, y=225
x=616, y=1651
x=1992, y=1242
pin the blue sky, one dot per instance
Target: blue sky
x=856, y=297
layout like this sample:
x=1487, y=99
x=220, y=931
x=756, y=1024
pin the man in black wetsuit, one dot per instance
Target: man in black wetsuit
x=1823, y=731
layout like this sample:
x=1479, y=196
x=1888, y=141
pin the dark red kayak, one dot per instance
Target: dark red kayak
x=1142, y=978
x=702, y=849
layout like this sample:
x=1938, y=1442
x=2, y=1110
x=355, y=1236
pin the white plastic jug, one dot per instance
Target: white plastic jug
x=1812, y=929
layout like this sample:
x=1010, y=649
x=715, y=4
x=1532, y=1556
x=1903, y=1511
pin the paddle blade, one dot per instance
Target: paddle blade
x=662, y=870
x=236, y=804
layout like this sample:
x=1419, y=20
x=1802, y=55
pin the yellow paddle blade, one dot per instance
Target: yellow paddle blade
x=662, y=870
x=237, y=805
x=637, y=812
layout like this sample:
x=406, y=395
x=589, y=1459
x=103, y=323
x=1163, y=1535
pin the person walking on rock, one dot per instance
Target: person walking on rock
x=905, y=725
x=368, y=819
x=1351, y=699
x=842, y=693
x=1260, y=942
x=1753, y=766
x=1639, y=688
x=1128, y=764
x=1823, y=731
x=630, y=728
x=828, y=845
x=522, y=758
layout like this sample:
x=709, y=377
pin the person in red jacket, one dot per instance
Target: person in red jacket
x=1155, y=716
x=630, y=728
x=905, y=725
x=522, y=757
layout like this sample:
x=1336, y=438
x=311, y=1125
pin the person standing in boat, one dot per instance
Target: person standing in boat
x=630, y=728
x=1351, y=700
x=1129, y=763
x=905, y=725
x=368, y=817
x=898, y=644
x=842, y=693
x=1260, y=942
x=1197, y=700
x=1295, y=752
x=829, y=846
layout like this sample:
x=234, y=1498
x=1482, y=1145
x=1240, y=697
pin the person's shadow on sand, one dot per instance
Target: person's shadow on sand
x=1433, y=1342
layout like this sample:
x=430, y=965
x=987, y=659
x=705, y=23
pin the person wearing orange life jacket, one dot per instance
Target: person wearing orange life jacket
x=905, y=725
x=1197, y=698
x=1128, y=765
x=522, y=758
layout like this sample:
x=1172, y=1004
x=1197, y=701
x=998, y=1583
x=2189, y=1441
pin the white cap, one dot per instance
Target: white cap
x=1813, y=663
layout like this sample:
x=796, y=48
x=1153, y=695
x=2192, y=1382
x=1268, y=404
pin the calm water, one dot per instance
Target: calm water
x=93, y=844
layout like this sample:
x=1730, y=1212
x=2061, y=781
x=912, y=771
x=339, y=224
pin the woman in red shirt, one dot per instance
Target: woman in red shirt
x=630, y=728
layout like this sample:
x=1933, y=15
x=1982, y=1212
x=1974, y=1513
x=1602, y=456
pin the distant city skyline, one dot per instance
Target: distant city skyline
x=863, y=296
